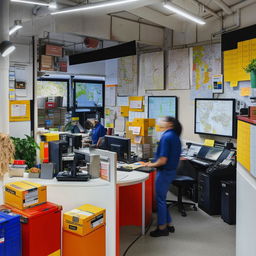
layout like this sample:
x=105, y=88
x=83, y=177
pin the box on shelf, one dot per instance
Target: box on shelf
x=63, y=66
x=24, y=194
x=53, y=50
x=44, y=152
x=46, y=63
x=17, y=170
x=49, y=105
x=141, y=139
x=124, y=110
x=144, y=151
x=151, y=122
x=50, y=137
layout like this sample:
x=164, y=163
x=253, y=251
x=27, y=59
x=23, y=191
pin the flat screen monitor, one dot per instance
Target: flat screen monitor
x=215, y=117
x=213, y=154
x=122, y=146
x=50, y=87
x=89, y=94
x=161, y=106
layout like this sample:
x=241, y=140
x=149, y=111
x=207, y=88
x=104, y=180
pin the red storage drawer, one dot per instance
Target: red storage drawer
x=41, y=230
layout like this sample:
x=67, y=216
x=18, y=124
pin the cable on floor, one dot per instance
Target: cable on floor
x=137, y=238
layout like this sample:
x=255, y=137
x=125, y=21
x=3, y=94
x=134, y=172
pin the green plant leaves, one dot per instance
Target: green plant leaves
x=25, y=149
x=251, y=66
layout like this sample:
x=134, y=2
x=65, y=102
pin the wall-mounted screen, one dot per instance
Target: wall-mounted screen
x=161, y=106
x=89, y=94
x=215, y=117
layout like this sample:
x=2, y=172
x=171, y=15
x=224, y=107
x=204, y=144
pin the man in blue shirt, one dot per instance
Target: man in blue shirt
x=98, y=132
x=166, y=162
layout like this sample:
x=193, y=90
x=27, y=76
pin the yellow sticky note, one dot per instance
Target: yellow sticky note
x=233, y=84
x=209, y=143
x=245, y=91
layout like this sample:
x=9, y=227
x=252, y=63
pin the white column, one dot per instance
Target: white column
x=4, y=68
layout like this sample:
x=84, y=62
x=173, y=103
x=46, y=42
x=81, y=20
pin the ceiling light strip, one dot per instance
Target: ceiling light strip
x=93, y=6
x=180, y=11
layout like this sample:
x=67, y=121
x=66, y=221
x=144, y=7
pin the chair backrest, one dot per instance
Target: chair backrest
x=185, y=168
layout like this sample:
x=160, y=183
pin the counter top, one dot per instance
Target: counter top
x=246, y=119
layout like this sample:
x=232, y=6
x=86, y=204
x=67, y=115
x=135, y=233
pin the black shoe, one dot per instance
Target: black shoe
x=158, y=232
x=171, y=229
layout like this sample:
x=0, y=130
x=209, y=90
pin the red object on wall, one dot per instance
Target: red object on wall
x=63, y=66
x=50, y=105
x=41, y=229
x=91, y=42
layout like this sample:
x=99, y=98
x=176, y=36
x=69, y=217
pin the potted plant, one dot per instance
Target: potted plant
x=251, y=68
x=25, y=149
x=34, y=173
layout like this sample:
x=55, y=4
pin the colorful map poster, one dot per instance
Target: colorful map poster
x=206, y=63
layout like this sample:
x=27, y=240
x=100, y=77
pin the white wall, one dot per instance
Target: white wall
x=246, y=208
x=21, y=60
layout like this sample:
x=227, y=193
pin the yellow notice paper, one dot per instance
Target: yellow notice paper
x=209, y=143
x=245, y=91
x=233, y=83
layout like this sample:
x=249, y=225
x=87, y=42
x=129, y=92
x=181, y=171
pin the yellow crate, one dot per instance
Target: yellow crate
x=24, y=194
x=50, y=137
x=85, y=219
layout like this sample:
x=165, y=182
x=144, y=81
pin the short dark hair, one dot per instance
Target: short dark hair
x=177, y=127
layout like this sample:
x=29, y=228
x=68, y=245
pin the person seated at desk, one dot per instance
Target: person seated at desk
x=98, y=132
x=166, y=162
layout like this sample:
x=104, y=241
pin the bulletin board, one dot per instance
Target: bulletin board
x=19, y=110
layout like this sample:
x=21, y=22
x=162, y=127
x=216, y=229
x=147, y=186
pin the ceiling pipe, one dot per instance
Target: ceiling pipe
x=223, y=6
x=207, y=9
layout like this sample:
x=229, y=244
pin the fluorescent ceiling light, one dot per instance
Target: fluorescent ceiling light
x=180, y=11
x=6, y=48
x=93, y=6
x=41, y=3
x=17, y=26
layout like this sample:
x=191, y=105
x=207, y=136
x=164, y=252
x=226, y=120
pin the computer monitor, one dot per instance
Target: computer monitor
x=214, y=153
x=215, y=117
x=161, y=106
x=122, y=146
x=88, y=94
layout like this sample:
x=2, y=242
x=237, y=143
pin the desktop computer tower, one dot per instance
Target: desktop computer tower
x=56, y=149
x=209, y=187
x=228, y=202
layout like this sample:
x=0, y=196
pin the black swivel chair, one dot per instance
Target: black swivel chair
x=183, y=181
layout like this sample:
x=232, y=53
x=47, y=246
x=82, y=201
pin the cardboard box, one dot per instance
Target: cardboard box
x=46, y=63
x=141, y=139
x=252, y=112
x=63, y=66
x=24, y=194
x=151, y=122
x=84, y=220
x=53, y=50
x=50, y=137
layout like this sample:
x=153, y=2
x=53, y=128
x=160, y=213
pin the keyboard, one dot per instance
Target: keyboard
x=201, y=162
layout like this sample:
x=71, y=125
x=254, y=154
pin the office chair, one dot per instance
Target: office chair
x=182, y=181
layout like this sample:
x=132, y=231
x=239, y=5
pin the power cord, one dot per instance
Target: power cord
x=137, y=238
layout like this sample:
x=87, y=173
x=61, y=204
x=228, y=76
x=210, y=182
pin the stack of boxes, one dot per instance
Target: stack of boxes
x=41, y=220
x=52, y=58
x=53, y=114
x=139, y=133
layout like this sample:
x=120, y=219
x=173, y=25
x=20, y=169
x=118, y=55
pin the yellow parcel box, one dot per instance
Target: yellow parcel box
x=84, y=220
x=50, y=137
x=24, y=194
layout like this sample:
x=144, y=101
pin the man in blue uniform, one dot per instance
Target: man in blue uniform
x=98, y=132
x=166, y=162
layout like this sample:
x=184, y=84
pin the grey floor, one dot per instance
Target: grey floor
x=198, y=234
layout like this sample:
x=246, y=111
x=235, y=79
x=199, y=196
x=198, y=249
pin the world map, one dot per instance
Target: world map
x=214, y=117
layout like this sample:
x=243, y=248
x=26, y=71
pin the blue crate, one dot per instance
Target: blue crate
x=10, y=234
